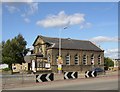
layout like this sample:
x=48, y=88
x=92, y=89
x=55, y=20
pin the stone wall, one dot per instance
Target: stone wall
x=80, y=66
x=80, y=54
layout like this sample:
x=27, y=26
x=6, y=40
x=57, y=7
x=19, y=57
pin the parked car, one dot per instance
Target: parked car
x=99, y=70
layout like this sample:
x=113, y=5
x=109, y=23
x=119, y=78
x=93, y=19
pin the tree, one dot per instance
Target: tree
x=13, y=51
x=108, y=63
x=0, y=53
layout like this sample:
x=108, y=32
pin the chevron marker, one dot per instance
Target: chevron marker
x=93, y=74
x=38, y=78
x=47, y=77
x=66, y=75
x=87, y=74
x=73, y=74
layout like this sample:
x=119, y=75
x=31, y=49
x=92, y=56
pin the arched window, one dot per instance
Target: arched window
x=67, y=59
x=76, y=58
x=99, y=60
x=84, y=59
x=40, y=49
x=92, y=59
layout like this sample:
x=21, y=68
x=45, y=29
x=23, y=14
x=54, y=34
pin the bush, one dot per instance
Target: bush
x=6, y=69
x=105, y=68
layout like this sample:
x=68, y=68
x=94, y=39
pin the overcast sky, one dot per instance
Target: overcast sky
x=97, y=22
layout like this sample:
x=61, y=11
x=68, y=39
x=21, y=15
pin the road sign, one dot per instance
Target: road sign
x=90, y=74
x=47, y=65
x=59, y=67
x=70, y=75
x=45, y=77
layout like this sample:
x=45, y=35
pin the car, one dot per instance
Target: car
x=99, y=70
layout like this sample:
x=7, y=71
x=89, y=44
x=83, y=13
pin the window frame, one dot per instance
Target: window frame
x=67, y=57
x=76, y=56
x=99, y=59
x=92, y=58
x=84, y=58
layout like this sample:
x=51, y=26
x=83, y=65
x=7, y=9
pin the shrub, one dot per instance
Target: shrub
x=6, y=69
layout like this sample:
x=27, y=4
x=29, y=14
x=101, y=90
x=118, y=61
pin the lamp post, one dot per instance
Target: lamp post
x=59, y=43
x=60, y=40
x=60, y=61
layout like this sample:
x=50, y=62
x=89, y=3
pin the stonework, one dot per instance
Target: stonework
x=41, y=46
x=80, y=66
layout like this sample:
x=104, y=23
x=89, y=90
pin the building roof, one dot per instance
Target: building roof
x=68, y=43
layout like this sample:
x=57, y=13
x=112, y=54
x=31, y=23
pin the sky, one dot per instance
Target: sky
x=93, y=21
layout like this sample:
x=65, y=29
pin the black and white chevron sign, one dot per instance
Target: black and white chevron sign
x=70, y=75
x=90, y=74
x=45, y=77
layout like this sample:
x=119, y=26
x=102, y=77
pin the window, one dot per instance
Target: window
x=48, y=58
x=84, y=59
x=76, y=59
x=92, y=59
x=68, y=59
x=40, y=49
x=99, y=60
x=38, y=64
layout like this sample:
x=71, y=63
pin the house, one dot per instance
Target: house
x=77, y=55
x=116, y=64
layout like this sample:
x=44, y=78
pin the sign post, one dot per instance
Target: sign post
x=60, y=62
x=47, y=65
x=33, y=66
x=59, y=68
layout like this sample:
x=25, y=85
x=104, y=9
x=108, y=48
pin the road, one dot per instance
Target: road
x=99, y=83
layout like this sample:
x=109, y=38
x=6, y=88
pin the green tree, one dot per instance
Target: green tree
x=13, y=51
x=0, y=53
x=108, y=62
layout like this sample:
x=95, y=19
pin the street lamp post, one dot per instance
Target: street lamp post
x=60, y=43
x=60, y=40
x=60, y=61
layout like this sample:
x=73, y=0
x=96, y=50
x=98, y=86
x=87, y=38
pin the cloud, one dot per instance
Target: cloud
x=27, y=20
x=85, y=25
x=12, y=9
x=109, y=51
x=61, y=19
x=112, y=53
x=32, y=9
x=104, y=39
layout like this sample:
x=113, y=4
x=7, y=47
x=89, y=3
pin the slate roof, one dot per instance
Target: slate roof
x=68, y=43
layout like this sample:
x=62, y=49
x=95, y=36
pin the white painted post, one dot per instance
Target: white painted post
x=33, y=66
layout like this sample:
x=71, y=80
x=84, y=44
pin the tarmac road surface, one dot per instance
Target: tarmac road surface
x=100, y=83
